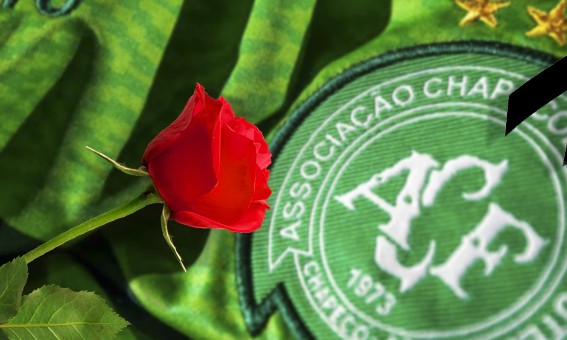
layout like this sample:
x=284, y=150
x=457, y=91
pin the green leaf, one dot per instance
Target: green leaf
x=52, y=312
x=13, y=277
x=61, y=269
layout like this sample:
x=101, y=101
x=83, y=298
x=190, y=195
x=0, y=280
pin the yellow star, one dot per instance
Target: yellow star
x=552, y=24
x=480, y=10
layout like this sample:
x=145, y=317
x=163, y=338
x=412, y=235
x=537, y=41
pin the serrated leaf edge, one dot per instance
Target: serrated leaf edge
x=110, y=311
x=12, y=280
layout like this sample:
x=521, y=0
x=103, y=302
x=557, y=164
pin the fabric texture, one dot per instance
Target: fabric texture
x=112, y=74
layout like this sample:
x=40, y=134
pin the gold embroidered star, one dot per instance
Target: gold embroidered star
x=480, y=10
x=552, y=24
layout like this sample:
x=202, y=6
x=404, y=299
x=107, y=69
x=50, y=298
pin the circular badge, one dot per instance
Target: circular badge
x=401, y=211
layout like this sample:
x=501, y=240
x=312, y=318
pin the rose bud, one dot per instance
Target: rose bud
x=210, y=167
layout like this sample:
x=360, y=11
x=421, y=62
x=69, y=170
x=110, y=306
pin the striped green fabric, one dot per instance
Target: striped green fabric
x=116, y=48
x=112, y=74
x=268, y=55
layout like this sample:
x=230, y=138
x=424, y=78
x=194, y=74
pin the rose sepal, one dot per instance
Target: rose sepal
x=141, y=171
x=165, y=214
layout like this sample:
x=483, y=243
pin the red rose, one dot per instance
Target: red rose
x=210, y=167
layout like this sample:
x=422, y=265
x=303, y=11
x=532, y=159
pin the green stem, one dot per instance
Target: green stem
x=92, y=224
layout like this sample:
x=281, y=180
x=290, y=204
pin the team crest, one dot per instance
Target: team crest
x=400, y=211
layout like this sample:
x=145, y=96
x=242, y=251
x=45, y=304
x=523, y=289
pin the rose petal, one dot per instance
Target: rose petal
x=241, y=126
x=235, y=189
x=250, y=221
x=226, y=112
x=210, y=117
x=253, y=218
x=170, y=170
x=184, y=161
x=261, y=189
x=168, y=135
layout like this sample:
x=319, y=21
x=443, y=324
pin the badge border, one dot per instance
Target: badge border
x=256, y=315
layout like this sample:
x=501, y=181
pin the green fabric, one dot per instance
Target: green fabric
x=95, y=70
x=112, y=74
x=276, y=39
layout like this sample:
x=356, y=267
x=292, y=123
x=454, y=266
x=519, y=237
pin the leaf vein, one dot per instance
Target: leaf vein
x=54, y=334
x=33, y=336
x=79, y=332
x=64, y=324
x=38, y=306
x=60, y=308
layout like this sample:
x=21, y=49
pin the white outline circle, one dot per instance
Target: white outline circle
x=272, y=265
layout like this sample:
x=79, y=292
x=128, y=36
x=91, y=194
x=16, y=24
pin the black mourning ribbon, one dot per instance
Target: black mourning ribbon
x=536, y=93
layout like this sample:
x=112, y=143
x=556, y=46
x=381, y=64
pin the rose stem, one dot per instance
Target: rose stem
x=92, y=224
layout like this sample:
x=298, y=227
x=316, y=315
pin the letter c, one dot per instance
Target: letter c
x=323, y=157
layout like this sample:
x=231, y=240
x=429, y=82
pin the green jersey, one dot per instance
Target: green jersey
x=399, y=209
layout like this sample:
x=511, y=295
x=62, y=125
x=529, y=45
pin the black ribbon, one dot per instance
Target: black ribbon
x=536, y=93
